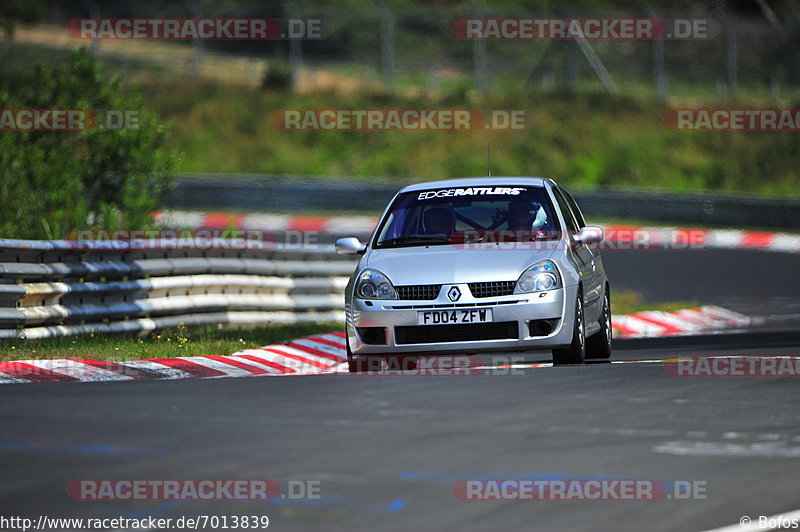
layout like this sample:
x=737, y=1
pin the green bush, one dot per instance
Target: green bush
x=54, y=182
x=278, y=76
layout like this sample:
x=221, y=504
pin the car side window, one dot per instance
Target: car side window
x=572, y=226
x=575, y=210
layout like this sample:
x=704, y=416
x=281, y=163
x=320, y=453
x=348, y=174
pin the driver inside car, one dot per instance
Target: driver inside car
x=439, y=221
x=522, y=216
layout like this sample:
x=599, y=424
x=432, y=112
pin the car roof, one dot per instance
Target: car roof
x=478, y=181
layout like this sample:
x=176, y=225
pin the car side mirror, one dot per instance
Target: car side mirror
x=591, y=234
x=350, y=246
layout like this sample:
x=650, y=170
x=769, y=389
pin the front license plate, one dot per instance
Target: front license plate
x=442, y=317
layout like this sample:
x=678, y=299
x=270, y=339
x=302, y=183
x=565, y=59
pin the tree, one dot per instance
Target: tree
x=53, y=182
x=16, y=11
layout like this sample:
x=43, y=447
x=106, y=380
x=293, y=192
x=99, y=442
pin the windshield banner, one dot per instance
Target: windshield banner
x=472, y=191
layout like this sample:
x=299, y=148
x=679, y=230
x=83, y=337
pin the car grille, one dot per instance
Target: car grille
x=434, y=334
x=493, y=289
x=418, y=292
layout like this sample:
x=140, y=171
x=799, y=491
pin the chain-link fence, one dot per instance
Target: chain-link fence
x=418, y=49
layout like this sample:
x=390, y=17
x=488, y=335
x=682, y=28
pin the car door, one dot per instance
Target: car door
x=591, y=274
x=598, y=269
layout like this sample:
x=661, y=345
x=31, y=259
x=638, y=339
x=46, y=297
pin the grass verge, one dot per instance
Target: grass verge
x=629, y=301
x=180, y=342
x=211, y=340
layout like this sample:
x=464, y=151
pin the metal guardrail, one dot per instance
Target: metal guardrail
x=59, y=288
x=253, y=192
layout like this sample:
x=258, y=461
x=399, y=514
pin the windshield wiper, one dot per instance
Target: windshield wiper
x=416, y=240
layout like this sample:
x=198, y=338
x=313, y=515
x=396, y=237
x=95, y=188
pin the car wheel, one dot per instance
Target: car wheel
x=599, y=345
x=576, y=352
x=353, y=366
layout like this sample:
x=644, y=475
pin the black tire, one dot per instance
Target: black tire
x=352, y=365
x=576, y=352
x=598, y=346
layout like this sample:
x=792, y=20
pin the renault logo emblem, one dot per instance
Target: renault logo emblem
x=454, y=294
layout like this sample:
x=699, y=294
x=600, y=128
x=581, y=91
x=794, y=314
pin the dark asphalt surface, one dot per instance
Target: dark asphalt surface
x=707, y=276
x=388, y=450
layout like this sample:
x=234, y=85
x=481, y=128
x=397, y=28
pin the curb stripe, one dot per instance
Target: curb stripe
x=324, y=341
x=294, y=363
x=193, y=369
x=223, y=220
x=642, y=327
x=337, y=337
x=321, y=351
x=78, y=371
x=724, y=314
x=299, y=358
x=619, y=326
x=236, y=363
x=672, y=321
x=757, y=240
x=295, y=352
x=697, y=317
x=227, y=370
x=133, y=373
x=33, y=373
x=7, y=378
x=307, y=223
x=655, y=321
x=785, y=243
x=267, y=363
x=159, y=371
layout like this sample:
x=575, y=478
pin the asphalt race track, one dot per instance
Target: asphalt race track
x=388, y=451
x=708, y=276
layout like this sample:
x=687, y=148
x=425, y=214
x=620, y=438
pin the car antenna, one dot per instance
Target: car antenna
x=489, y=157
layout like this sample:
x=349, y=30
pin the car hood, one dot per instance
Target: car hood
x=444, y=264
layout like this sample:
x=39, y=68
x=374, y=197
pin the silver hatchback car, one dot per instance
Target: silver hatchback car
x=475, y=265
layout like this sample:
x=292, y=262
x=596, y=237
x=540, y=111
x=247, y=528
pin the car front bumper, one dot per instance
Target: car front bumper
x=389, y=327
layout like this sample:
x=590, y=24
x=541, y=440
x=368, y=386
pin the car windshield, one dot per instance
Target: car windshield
x=479, y=213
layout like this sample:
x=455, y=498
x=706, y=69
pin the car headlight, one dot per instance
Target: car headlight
x=538, y=278
x=372, y=284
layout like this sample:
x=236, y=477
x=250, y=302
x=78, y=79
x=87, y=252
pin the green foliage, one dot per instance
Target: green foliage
x=57, y=181
x=277, y=77
x=591, y=140
x=16, y=11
